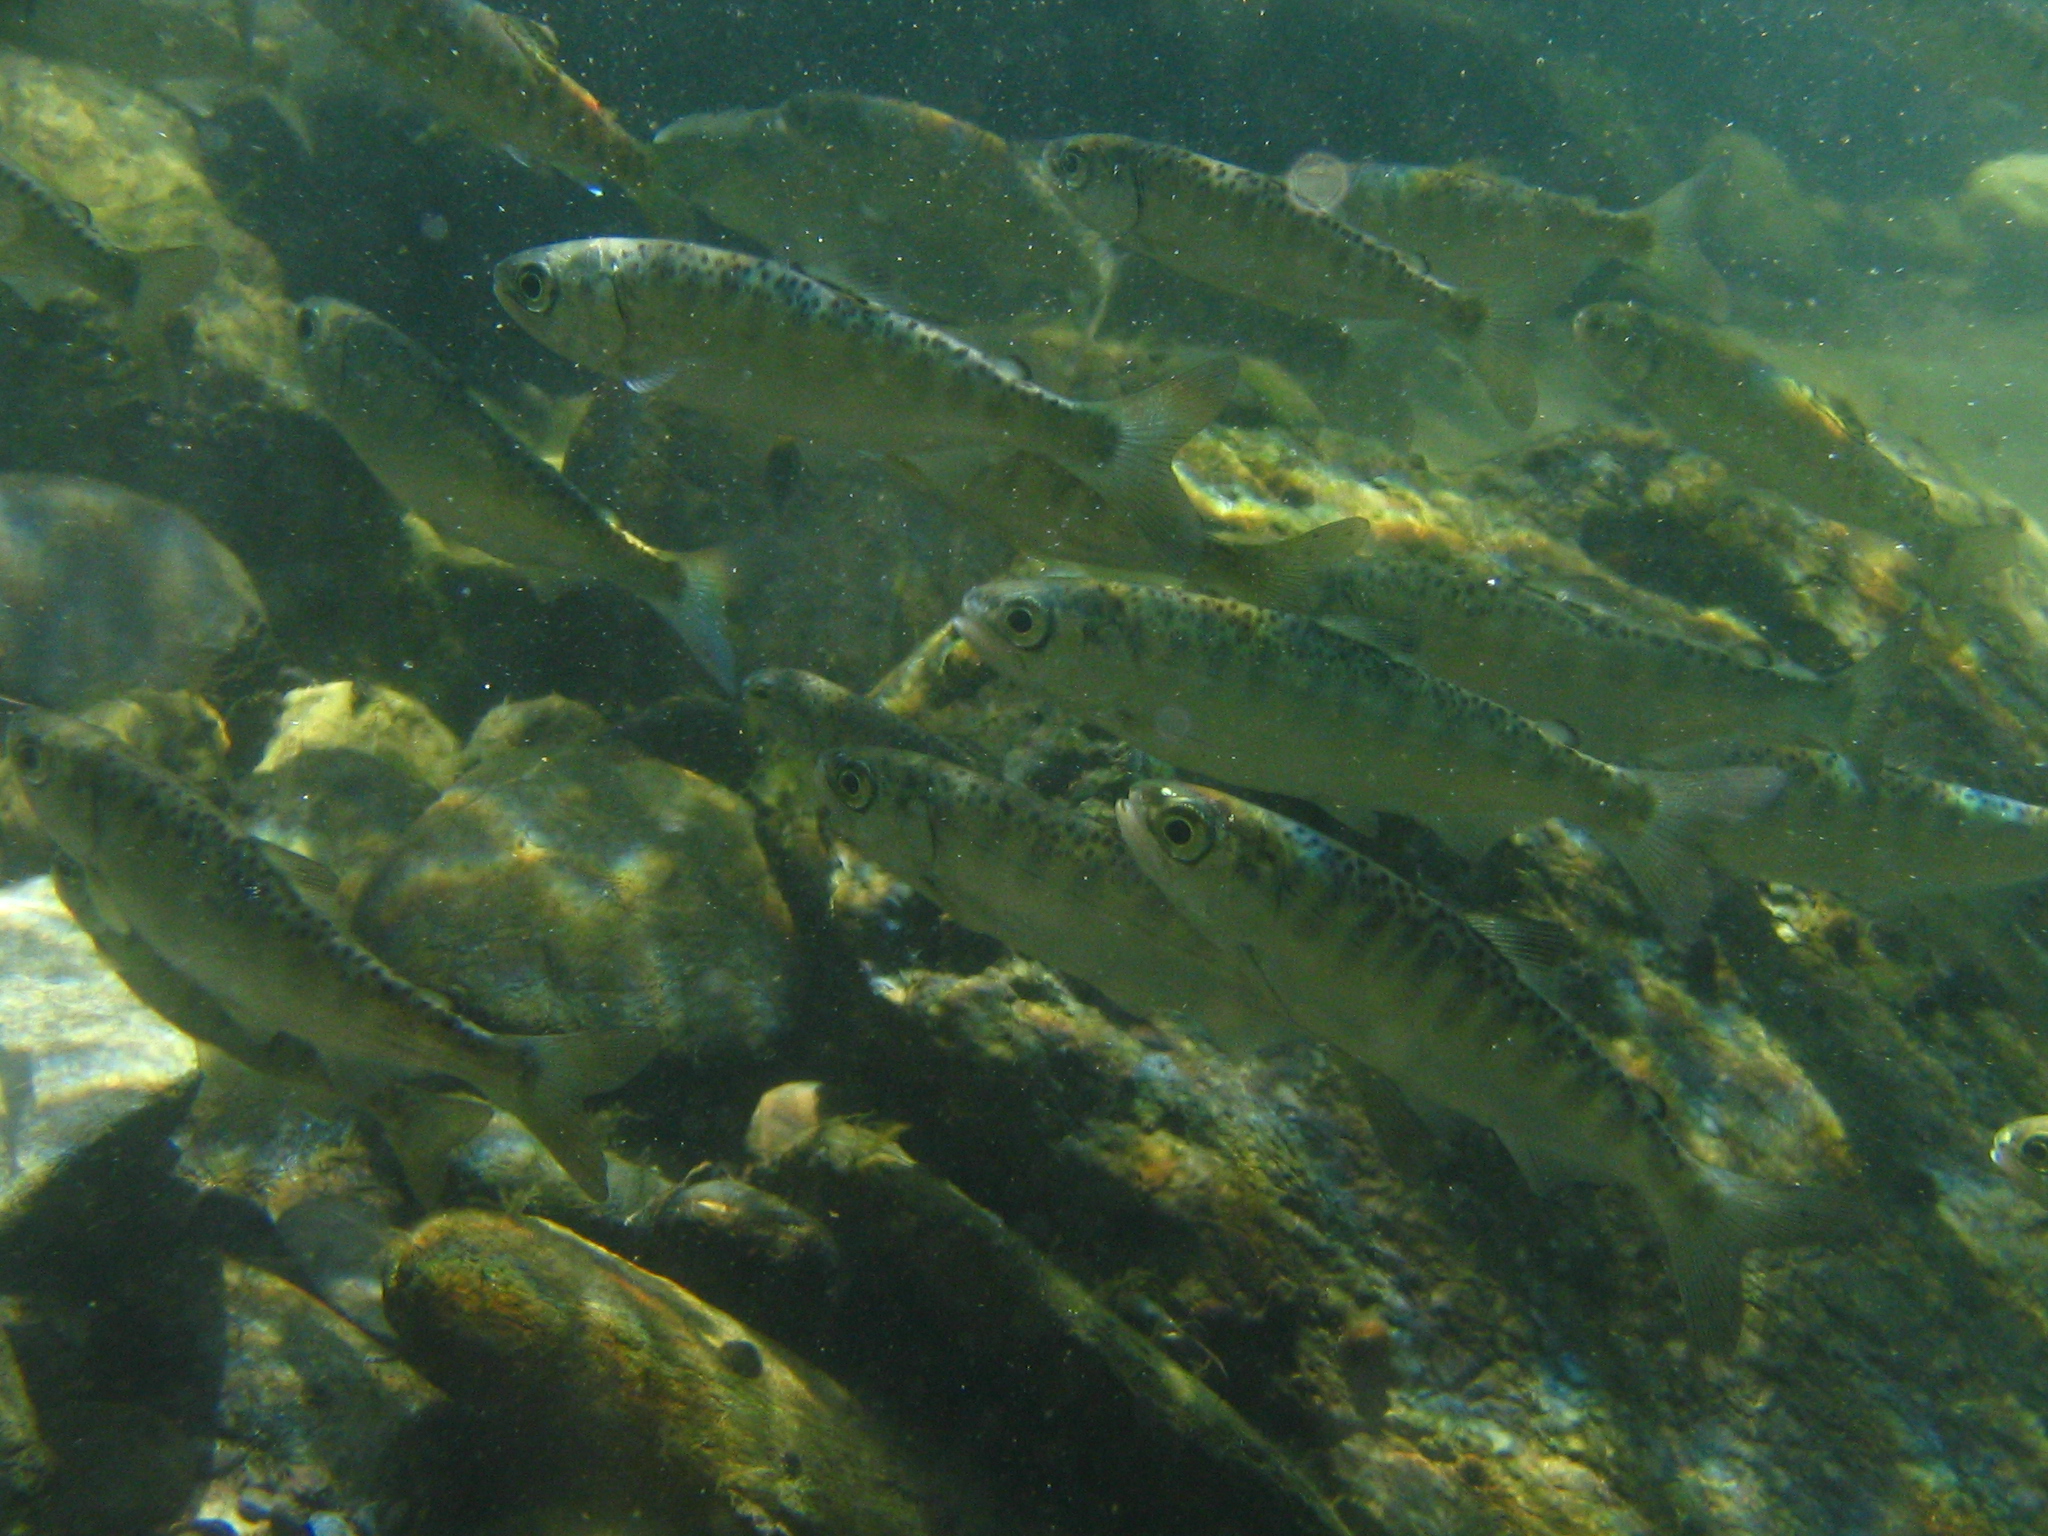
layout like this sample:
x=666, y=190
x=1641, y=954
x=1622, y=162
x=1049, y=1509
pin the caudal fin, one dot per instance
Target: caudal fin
x=562, y=1072
x=1675, y=263
x=1506, y=374
x=166, y=281
x=696, y=612
x=1281, y=573
x=1668, y=858
x=1151, y=426
x=1720, y=1218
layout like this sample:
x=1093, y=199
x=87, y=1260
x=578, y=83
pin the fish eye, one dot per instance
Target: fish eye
x=29, y=760
x=1069, y=167
x=2034, y=1152
x=307, y=324
x=852, y=781
x=1185, y=833
x=533, y=285
x=1025, y=623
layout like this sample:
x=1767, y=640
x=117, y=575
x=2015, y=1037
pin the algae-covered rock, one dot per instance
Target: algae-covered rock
x=589, y=888
x=1092, y=1401
x=628, y=1393
x=342, y=807
x=364, y=717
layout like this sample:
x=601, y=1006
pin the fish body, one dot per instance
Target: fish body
x=807, y=715
x=1052, y=882
x=2020, y=1152
x=1279, y=702
x=1875, y=833
x=49, y=246
x=495, y=74
x=1715, y=395
x=214, y=904
x=1626, y=690
x=446, y=460
x=908, y=205
x=746, y=338
x=1248, y=234
x=1526, y=248
x=1360, y=959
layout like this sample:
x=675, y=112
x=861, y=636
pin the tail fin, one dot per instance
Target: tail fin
x=1668, y=858
x=1151, y=426
x=1726, y=1215
x=696, y=612
x=563, y=1071
x=1874, y=682
x=166, y=281
x=1675, y=262
x=1281, y=573
x=1505, y=373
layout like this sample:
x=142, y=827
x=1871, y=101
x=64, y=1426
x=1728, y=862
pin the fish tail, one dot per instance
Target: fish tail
x=1874, y=681
x=696, y=612
x=1675, y=261
x=561, y=1072
x=1720, y=1217
x=1667, y=859
x=1505, y=372
x=166, y=281
x=1281, y=573
x=1151, y=426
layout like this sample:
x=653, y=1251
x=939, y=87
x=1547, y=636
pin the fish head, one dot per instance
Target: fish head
x=786, y=704
x=1047, y=632
x=345, y=350
x=885, y=803
x=2020, y=1152
x=566, y=297
x=1623, y=341
x=1096, y=176
x=1212, y=855
x=77, y=778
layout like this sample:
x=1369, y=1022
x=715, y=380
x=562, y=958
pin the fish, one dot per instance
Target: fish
x=222, y=909
x=1623, y=690
x=1874, y=833
x=444, y=458
x=748, y=338
x=1054, y=883
x=1279, y=702
x=106, y=593
x=905, y=204
x=1525, y=247
x=1982, y=47
x=1358, y=958
x=805, y=714
x=2020, y=1152
x=1245, y=233
x=423, y=1129
x=49, y=247
x=1713, y=394
x=497, y=76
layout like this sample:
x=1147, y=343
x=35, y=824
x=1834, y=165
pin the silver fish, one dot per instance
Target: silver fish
x=49, y=246
x=1245, y=233
x=806, y=714
x=217, y=906
x=1279, y=702
x=1053, y=883
x=1626, y=690
x=446, y=460
x=1360, y=959
x=746, y=338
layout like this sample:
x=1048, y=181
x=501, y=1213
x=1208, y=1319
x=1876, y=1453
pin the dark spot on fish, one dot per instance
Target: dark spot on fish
x=740, y=1356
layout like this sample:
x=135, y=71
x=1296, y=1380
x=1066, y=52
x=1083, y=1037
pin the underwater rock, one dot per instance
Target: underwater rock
x=344, y=808
x=1126, y=1423
x=364, y=717
x=625, y=1392
x=312, y=1410
x=103, y=591
x=532, y=725
x=589, y=888
x=25, y=1461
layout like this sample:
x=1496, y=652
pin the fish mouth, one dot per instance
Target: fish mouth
x=976, y=632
